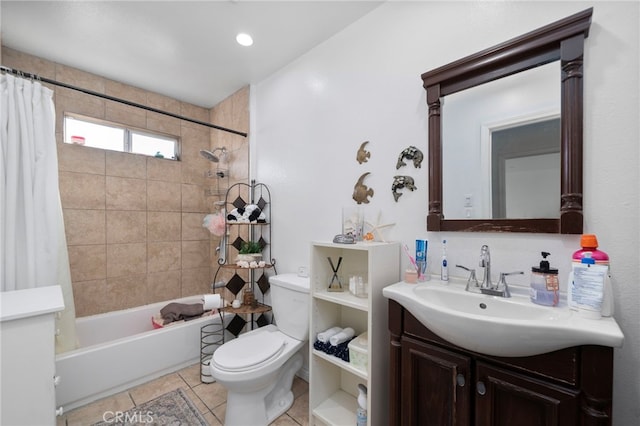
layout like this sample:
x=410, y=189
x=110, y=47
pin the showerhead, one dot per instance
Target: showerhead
x=211, y=156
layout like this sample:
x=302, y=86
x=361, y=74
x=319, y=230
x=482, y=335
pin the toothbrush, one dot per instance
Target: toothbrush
x=411, y=259
x=444, y=271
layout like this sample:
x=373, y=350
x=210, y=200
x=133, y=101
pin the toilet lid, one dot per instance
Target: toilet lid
x=247, y=352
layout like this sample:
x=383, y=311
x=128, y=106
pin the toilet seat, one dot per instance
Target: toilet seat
x=248, y=352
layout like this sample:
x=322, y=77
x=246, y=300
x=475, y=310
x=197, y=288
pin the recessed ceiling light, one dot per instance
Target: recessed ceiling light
x=244, y=39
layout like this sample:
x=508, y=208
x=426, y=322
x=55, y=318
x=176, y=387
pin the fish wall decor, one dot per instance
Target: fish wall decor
x=362, y=192
x=410, y=153
x=363, y=155
x=401, y=182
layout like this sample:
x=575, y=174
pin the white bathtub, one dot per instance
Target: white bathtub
x=122, y=349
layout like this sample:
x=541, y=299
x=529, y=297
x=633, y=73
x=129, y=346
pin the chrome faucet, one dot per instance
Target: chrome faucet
x=485, y=262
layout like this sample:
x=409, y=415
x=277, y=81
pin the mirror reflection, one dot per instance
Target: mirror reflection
x=501, y=148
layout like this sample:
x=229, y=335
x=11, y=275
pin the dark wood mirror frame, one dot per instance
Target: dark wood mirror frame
x=562, y=40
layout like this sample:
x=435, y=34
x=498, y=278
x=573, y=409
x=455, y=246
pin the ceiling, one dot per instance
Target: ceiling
x=182, y=49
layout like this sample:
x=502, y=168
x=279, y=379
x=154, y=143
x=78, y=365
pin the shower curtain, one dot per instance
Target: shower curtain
x=33, y=250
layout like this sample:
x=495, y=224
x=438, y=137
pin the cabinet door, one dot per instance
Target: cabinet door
x=435, y=386
x=504, y=398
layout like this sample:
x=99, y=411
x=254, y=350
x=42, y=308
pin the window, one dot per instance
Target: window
x=104, y=135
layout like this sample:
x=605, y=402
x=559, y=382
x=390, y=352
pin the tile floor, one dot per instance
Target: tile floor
x=210, y=398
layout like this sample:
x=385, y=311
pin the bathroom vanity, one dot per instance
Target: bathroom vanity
x=433, y=382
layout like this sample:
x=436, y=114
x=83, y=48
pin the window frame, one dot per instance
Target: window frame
x=128, y=132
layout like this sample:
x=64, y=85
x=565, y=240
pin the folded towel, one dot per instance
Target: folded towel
x=342, y=337
x=324, y=336
x=181, y=311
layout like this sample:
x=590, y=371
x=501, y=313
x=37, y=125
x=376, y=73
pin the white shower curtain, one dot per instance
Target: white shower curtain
x=33, y=250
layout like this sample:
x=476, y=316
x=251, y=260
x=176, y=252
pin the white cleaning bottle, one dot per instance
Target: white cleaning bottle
x=361, y=414
x=444, y=267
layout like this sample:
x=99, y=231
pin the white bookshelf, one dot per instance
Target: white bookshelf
x=333, y=383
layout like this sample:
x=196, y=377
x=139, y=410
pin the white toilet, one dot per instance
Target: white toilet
x=257, y=368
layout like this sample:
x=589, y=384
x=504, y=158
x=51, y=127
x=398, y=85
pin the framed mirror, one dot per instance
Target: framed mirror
x=505, y=143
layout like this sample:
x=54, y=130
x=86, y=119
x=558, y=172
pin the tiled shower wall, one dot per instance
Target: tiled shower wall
x=134, y=223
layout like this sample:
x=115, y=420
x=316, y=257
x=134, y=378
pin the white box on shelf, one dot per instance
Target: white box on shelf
x=359, y=352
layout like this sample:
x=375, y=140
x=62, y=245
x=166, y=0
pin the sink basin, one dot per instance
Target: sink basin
x=507, y=327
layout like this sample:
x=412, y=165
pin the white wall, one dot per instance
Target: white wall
x=309, y=119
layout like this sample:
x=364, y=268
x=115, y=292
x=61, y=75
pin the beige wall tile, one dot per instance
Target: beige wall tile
x=164, y=226
x=163, y=103
x=195, y=254
x=125, y=91
x=195, y=112
x=192, y=228
x=195, y=281
x=165, y=170
x=193, y=199
x=81, y=190
x=81, y=159
x=126, y=259
x=89, y=297
x=87, y=262
x=163, y=124
x=126, y=226
x=127, y=291
x=193, y=140
x=79, y=78
x=194, y=173
x=24, y=62
x=164, y=256
x=163, y=196
x=125, y=114
x=124, y=164
x=126, y=193
x=163, y=286
x=84, y=227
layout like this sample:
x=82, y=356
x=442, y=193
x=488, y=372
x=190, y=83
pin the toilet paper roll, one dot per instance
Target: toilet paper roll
x=211, y=301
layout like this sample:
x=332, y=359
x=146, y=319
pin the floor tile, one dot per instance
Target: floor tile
x=99, y=410
x=153, y=389
x=209, y=398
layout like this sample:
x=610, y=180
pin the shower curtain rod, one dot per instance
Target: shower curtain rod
x=111, y=98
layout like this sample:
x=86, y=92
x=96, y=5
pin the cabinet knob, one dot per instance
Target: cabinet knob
x=481, y=388
x=59, y=411
x=56, y=380
x=460, y=380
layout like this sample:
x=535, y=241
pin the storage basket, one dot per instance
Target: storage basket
x=359, y=352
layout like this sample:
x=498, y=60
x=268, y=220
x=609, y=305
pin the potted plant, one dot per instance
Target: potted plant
x=250, y=250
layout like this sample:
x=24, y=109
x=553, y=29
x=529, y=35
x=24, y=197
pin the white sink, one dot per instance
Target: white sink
x=508, y=327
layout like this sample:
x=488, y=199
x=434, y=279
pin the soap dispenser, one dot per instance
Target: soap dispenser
x=545, y=288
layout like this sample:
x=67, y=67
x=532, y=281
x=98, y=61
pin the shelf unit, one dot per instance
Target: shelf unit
x=333, y=383
x=237, y=278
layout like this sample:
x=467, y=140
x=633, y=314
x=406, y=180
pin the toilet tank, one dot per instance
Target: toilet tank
x=290, y=304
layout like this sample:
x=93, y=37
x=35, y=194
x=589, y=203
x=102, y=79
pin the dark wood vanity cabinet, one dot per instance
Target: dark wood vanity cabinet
x=435, y=383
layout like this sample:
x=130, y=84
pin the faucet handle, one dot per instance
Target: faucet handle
x=503, y=282
x=472, y=282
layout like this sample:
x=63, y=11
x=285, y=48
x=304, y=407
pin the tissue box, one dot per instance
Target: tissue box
x=358, y=351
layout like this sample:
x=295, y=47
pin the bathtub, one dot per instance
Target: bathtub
x=121, y=349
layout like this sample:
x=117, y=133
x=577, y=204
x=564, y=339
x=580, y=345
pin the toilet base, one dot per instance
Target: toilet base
x=262, y=407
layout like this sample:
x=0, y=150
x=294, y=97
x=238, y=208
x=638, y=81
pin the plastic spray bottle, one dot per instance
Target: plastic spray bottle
x=361, y=414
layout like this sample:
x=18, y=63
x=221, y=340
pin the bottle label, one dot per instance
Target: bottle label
x=552, y=282
x=587, y=285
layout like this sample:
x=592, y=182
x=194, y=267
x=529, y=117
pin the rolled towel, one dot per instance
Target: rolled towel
x=181, y=311
x=341, y=337
x=324, y=336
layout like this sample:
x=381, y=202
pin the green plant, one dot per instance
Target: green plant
x=249, y=247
